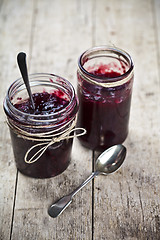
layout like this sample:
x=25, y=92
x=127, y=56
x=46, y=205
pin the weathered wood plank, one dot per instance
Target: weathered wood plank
x=57, y=33
x=55, y=48
x=12, y=40
x=156, y=11
x=128, y=205
x=31, y=217
x=54, y=34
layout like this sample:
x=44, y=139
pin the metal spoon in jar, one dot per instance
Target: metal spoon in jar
x=109, y=161
x=21, y=59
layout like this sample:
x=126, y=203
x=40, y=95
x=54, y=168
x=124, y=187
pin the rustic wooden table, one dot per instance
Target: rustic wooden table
x=124, y=205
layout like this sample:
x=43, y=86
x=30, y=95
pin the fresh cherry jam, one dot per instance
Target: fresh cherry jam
x=103, y=111
x=45, y=103
x=57, y=155
x=55, y=111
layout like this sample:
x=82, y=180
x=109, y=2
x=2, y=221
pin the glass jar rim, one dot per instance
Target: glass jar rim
x=105, y=79
x=39, y=117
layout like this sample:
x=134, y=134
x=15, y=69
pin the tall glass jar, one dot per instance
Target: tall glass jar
x=41, y=142
x=105, y=78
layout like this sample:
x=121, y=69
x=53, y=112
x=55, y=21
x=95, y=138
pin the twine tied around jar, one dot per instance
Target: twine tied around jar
x=106, y=84
x=47, y=139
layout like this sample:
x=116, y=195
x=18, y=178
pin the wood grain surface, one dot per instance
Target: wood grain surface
x=126, y=204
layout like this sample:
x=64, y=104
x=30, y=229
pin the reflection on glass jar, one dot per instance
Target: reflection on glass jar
x=105, y=79
x=40, y=139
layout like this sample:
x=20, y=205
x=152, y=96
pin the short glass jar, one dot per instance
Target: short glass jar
x=40, y=142
x=105, y=79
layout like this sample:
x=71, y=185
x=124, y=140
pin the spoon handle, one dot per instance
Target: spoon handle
x=21, y=59
x=84, y=183
x=58, y=207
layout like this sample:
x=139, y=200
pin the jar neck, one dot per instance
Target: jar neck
x=39, y=83
x=108, y=56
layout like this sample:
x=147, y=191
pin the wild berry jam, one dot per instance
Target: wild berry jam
x=45, y=103
x=104, y=103
x=107, y=70
x=55, y=111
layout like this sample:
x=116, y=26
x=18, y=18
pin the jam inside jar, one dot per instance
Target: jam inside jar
x=32, y=131
x=105, y=79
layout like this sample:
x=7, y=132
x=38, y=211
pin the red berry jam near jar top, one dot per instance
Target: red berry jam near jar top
x=103, y=109
x=45, y=103
x=55, y=110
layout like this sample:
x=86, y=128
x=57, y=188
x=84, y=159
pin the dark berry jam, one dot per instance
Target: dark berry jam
x=45, y=103
x=53, y=161
x=39, y=136
x=103, y=111
x=57, y=156
x=107, y=70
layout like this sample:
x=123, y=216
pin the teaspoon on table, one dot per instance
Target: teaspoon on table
x=21, y=59
x=108, y=162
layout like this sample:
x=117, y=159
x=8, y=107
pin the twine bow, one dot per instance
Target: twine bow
x=47, y=139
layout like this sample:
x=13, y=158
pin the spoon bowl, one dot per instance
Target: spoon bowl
x=108, y=162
